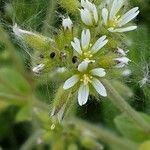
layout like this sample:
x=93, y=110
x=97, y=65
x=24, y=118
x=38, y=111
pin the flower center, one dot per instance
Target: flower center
x=87, y=54
x=114, y=22
x=86, y=79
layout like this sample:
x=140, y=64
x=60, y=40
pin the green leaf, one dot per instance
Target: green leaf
x=131, y=130
x=13, y=82
x=24, y=114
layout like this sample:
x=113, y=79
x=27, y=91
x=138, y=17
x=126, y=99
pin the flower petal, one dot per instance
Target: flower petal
x=105, y=15
x=85, y=38
x=83, y=94
x=123, y=60
x=99, y=44
x=99, y=87
x=95, y=14
x=128, y=16
x=71, y=82
x=116, y=6
x=76, y=46
x=121, y=52
x=86, y=17
x=100, y=72
x=83, y=66
x=130, y=28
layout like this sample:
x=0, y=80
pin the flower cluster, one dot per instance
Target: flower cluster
x=86, y=51
x=92, y=56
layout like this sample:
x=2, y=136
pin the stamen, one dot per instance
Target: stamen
x=86, y=79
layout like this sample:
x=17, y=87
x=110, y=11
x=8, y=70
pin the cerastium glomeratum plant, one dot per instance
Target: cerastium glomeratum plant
x=86, y=54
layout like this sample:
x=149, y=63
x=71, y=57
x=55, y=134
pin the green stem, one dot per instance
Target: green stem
x=105, y=135
x=121, y=104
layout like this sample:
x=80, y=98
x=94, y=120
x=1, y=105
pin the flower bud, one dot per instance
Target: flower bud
x=61, y=104
x=122, y=61
x=121, y=52
x=89, y=14
x=67, y=23
x=38, y=68
x=33, y=40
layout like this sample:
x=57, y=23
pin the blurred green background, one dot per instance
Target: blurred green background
x=25, y=99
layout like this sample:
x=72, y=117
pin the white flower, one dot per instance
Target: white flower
x=38, y=68
x=86, y=79
x=67, y=23
x=114, y=21
x=89, y=14
x=121, y=52
x=122, y=61
x=86, y=50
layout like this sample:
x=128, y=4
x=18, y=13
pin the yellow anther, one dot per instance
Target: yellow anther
x=87, y=54
x=86, y=79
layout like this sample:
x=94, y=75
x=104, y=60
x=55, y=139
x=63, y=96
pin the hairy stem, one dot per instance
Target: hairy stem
x=50, y=16
x=105, y=136
x=123, y=106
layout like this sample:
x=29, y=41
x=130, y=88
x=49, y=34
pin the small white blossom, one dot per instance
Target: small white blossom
x=85, y=50
x=85, y=79
x=114, y=21
x=89, y=14
x=122, y=61
x=122, y=52
x=67, y=23
x=38, y=68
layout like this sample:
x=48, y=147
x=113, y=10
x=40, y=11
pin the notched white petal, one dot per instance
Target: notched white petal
x=71, y=82
x=101, y=42
x=95, y=14
x=100, y=72
x=105, y=15
x=116, y=6
x=126, y=29
x=86, y=17
x=127, y=17
x=85, y=38
x=76, y=46
x=83, y=94
x=99, y=87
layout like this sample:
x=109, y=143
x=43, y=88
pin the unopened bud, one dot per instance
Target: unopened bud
x=34, y=40
x=38, y=68
x=122, y=61
x=67, y=23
